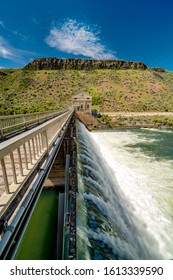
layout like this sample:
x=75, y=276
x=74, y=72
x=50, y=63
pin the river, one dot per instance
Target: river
x=125, y=200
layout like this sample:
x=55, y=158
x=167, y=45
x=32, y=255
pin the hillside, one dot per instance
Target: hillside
x=28, y=90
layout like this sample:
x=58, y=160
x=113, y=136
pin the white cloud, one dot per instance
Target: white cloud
x=2, y=24
x=9, y=52
x=6, y=50
x=78, y=39
x=13, y=32
x=34, y=20
x=23, y=37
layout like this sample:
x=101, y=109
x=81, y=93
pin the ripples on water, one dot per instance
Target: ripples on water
x=125, y=194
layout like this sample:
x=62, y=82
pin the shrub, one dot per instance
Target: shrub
x=96, y=100
x=106, y=119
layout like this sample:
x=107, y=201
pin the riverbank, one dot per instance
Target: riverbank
x=162, y=120
x=91, y=123
x=149, y=121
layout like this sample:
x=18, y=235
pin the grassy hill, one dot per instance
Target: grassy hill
x=23, y=91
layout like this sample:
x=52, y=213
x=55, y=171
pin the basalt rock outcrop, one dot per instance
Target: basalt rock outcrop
x=158, y=69
x=81, y=64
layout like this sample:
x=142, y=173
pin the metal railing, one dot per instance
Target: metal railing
x=12, y=230
x=19, y=155
x=14, y=124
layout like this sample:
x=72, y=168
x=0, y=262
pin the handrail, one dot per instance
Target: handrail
x=14, y=230
x=12, y=144
x=28, y=149
x=15, y=123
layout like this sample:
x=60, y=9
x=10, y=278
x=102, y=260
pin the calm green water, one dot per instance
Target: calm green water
x=39, y=240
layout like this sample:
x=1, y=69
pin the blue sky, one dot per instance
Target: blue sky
x=135, y=30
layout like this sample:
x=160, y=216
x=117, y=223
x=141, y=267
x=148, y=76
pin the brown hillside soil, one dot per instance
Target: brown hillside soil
x=89, y=121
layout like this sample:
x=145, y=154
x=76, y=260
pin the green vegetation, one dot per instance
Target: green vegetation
x=148, y=121
x=24, y=91
x=96, y=100
x=106, y=120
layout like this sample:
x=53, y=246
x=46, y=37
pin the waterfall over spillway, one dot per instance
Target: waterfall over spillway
x=108, y=225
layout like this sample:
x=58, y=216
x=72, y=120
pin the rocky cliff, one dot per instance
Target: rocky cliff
x=158, y=69
x=52, y=63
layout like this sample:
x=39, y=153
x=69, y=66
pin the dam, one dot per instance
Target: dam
x=98, y=196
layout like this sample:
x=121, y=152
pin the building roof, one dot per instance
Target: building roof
x=82, y=95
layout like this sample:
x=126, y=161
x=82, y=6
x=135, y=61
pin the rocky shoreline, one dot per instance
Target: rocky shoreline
x=106, y=122
x=130, y=127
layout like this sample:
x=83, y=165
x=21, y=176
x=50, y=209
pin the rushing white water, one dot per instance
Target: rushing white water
x=145, y=184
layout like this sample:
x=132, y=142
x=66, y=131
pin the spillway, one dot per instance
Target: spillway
x=125, y=187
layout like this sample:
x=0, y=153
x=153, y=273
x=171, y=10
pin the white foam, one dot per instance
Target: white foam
x=144, y=182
